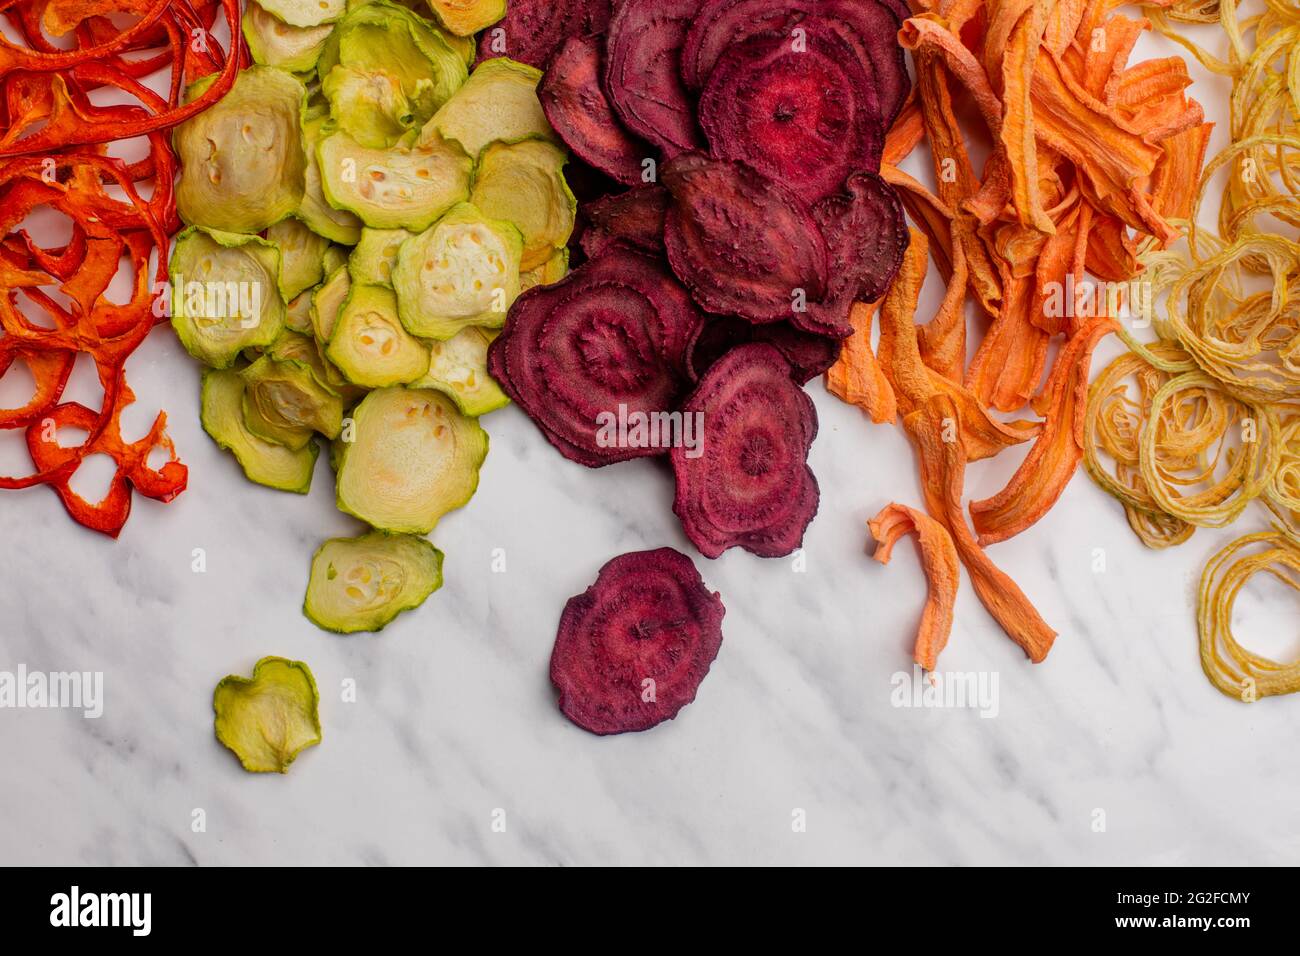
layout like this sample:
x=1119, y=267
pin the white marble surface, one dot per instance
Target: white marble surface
x=455, y=717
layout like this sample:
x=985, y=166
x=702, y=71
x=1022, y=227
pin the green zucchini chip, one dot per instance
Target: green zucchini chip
x=243, y=165
x=272, y=42
x=225, y=294
x=458, y=369
x=413, y=457
x=362, y=583
x=498, y=102
x=523, y=183
x=368, y=343
x=271, y=718
x=263, y=462
x=463, y=271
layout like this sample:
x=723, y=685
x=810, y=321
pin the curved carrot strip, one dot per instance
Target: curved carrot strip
x=939, y=562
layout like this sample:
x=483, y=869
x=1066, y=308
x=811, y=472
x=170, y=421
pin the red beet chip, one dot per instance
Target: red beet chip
x=576, y=106
x=633, y=648
x=866, y=236
x=743, y=244
x=607, y=340
x=635, y=217
x=803, y=113
x=808, y=353
x=750, y=485
x=643, y=72
x=870, y=28
x=532, y=30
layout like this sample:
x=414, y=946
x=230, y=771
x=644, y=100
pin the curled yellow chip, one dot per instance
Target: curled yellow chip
x=271, y=718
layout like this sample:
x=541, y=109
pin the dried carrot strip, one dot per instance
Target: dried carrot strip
x=1048, y=467
x=856, y=376
x=940, y=563
x=932, y=429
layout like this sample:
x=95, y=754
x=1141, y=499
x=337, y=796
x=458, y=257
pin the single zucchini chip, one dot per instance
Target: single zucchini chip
x=315, y=210
x=382, y=37
x=552, y=270
x=463, y=271
x=464, y=18
x=285, y=402
x=306, y=13
x=225, y=294
x=413, y=458
x=326, y=303
x=498, y=102
x=243, y=166
x=297, y=314
x=268, y=720
x=263, y=462
x=368, y=106
x=362, y=583
x=368, y=343
x=375, y=255
x=272, y=42
x=406, y=187
x=302, y=256
x=458, y=368
x=523, y=183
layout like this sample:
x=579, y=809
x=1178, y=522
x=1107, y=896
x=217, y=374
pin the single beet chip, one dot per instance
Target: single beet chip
x=605, y=343
x=643, y=75
x=808, y=353
x=750, y=485
x=803, y=114
x=576, y=106
x=635, y=217
x=633, y=648
x=869, y=28
x=533, y=30
x=743, y=244
x=866, y=237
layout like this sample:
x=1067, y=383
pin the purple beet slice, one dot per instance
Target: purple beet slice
x=643, y=72
x=750, y=486
x=532, y=30
x=632, y=649
x=743, y=244
x=808, y=353
x=866, y=236
x=635, y=217
x=576, y=106
x=870, y=28
x=607, y=340
x=805, y=115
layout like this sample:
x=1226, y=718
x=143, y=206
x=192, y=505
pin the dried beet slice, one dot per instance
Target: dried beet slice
x=750, y=486
x=866, y=236
x=803, y=114
x=612, y=333
x=871, y=28
x=632, y=649
x=808, y=353
x=635, y=217
x=743, y=244
x=643, y=75
x=576, y=106
x=532, y=30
